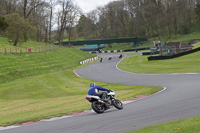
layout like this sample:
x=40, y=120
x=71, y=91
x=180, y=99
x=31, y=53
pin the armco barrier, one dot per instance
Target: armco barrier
x=137, y=49
x=149, y=53
x=115, y=51
x=172, y=56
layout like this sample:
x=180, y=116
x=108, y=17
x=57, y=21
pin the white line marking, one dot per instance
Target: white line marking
x=56, y=118
x=9, y=127
x=77, y=74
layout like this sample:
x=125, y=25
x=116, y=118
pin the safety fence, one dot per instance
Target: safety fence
x=21, y=50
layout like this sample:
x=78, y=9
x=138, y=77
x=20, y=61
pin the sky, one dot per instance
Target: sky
x=89, y=5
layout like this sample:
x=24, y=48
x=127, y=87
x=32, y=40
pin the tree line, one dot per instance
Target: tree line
x=21, y=20
x=141, y=18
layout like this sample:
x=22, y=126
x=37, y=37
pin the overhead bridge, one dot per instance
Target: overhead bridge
x=135, y=41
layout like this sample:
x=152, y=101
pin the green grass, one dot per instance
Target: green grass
x=4, y=43
x=196, y=45
x=188, y=63
x=53, y=94
x=187, y=125
x=37, y=86
x=15, y=66
x=185, y=38
x=140, y=64
x=34, y=45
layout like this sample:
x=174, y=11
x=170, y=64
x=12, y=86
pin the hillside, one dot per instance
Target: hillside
x=16, y=67
x=5, y=43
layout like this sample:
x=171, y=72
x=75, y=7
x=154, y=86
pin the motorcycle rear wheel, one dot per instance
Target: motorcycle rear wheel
x=117, y=103
x=98, y=107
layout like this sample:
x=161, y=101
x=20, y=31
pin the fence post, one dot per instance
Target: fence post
x=4, y=51
x=20, y=52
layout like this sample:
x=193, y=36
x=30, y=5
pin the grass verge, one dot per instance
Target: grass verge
x=187, y=125
x=140, y=64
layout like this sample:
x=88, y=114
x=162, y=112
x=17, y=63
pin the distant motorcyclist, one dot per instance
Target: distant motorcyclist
x=94, y=90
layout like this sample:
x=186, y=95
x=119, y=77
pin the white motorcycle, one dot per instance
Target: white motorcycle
x=100, y=106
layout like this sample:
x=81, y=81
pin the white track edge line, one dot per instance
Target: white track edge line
x=77, y=74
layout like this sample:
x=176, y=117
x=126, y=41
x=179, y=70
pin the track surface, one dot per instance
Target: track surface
x=181, y=99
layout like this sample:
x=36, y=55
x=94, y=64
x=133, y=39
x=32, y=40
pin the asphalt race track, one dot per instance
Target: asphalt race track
x=180, y=99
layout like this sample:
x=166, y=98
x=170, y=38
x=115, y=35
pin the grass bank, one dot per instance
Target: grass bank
x=37, y=86
x=17, y=67
x=5, y=43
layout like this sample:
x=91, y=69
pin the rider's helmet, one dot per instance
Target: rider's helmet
x=92, y=84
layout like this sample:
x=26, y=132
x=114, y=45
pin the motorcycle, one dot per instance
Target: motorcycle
x=100, y=106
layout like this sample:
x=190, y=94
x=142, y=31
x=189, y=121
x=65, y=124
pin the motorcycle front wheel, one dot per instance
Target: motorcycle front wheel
x=98, y=107
x=117, y=103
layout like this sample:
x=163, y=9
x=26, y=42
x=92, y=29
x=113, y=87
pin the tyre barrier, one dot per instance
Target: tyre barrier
x=88, y=60
x=110, y=51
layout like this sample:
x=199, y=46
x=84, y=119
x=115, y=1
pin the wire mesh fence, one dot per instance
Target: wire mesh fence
x=20, y=50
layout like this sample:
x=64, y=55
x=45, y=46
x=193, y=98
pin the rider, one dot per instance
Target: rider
x=94, y=90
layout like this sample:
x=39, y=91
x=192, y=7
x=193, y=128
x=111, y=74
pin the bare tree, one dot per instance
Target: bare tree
x=66, y=9
x=29, y=6
x=52, y=4
x=71, y=20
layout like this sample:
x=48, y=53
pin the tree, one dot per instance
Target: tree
x=28, y=8
x=81, y=24
x=17, y=26
x=86, y=26
x=3, y=24
x=52, y=4
x=67, y=19
x=72, y=20
x=197, y=11
x=62, y=19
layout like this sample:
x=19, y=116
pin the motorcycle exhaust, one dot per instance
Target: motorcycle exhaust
x=101, y=101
